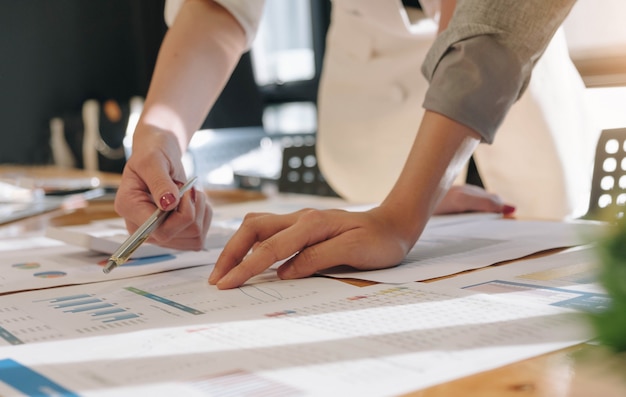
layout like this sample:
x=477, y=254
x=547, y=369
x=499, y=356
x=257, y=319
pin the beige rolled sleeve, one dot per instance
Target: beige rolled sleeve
x=481, y=64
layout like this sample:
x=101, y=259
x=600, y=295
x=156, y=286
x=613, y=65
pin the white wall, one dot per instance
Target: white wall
x=596, y=28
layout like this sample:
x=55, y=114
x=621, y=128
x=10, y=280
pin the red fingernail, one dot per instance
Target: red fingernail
x=167, y=200
x=508, y=209
x=192, y=193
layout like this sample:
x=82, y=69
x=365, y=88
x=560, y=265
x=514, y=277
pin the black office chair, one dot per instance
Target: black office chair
x=300, y=172
x=608, y=186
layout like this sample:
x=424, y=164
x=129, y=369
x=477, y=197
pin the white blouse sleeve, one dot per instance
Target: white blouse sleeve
x=247, y=12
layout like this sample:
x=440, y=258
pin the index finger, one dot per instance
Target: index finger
x=306, y=229
x=254, y=228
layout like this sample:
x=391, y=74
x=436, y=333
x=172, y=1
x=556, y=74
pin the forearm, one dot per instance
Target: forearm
x=195, y=61
x=439, y=152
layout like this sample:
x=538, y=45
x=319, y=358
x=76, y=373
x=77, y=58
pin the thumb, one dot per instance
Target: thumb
x=164, y=191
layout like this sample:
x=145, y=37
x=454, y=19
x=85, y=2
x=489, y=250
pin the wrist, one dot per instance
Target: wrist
x=163, y=123
x=405, y=222
x=149, y=138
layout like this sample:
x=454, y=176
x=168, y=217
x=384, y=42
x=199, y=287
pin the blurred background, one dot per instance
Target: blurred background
x=59, y=54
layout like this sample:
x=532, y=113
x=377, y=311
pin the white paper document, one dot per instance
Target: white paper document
x=172, y=334
x=77, y=254
x=453, y=247
x=106, y=236
x=66, y=265
x=103, y=237
x=450, y=244
x=566, y=279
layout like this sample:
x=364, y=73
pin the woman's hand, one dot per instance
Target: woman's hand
x=313, y=240
x=471, y=198
x=151, y=179
x=197, y=56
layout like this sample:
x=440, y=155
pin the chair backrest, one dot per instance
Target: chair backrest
x=608, y=186
x=300, y=172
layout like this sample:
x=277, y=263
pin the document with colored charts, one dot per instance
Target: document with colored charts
x=76, y=254
x=450, y=244
x=566, y=279
x=453, y=247
x=43, y=262
x=66, y=265
x=173, y=334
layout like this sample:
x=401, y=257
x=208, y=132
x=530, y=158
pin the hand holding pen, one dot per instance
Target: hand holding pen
x=123, y=253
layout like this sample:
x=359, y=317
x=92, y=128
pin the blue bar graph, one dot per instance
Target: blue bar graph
x=98, y=309
x=77, y=303
x=121, y=317
x=66, y=298
x=89, y=308
x=9, y=337
x=107, y=312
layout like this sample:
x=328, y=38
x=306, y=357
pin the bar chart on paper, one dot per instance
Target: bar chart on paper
x=97, y=309
x=567, y=279
x=60, y=265
x=175, y=298
x=81, y=314
x=371, y=341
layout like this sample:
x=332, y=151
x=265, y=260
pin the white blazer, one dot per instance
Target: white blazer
x=370, y=101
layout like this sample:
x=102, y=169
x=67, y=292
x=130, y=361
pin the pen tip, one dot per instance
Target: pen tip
x=109, y=266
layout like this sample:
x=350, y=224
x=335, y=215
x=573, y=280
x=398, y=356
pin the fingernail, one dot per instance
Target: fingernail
x=212, y=278
x=192, y=194
x=167, y=200
x=226, y=282
x=508, y=209
x=178, y=183
x=221, y=284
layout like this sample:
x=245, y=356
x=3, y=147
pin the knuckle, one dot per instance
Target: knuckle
x=307, y=259
x=118, y=206
x=250, y=218
x=311, y=216
x=247, y=272
x=187, y=218
x=267, y=249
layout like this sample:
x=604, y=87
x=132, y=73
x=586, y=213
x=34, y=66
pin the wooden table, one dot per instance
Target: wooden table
x=580, y=371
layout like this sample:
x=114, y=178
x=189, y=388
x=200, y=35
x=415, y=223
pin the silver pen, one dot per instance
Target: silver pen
x=121, y=255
